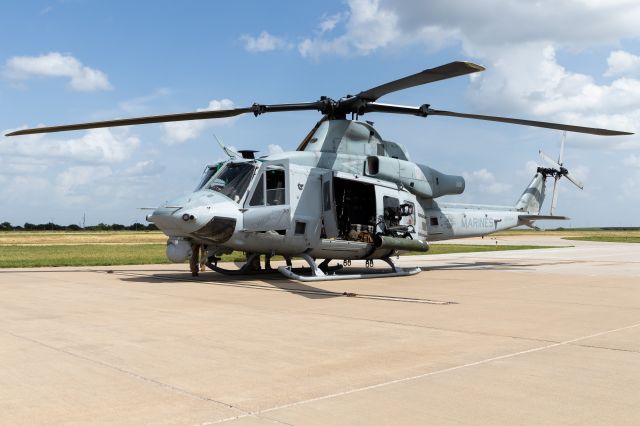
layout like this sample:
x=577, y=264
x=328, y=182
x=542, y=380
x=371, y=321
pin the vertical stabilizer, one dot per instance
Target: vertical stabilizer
x=531, y=199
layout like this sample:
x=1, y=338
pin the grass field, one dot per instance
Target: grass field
x=607, y=238
x=51, y=248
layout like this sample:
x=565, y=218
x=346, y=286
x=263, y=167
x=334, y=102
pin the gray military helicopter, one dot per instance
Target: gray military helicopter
x=345, y=193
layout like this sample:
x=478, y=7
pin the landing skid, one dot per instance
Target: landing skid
x=252, y=266
x=317, y=274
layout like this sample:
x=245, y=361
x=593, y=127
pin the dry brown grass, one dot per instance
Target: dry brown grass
x=80, y=237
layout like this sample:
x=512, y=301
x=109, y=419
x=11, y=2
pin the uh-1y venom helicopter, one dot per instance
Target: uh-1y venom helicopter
x=345, y=193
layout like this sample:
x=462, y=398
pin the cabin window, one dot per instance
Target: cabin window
x=434, y=221
x=408, y=213
x=275, y=187
x=391, y=206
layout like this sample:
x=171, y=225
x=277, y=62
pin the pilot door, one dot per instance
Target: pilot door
x=267, y=207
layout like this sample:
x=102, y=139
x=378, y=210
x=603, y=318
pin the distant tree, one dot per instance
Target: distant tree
x=136, y=227
x=5, y=226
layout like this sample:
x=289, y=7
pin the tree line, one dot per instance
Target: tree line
x=6, y=226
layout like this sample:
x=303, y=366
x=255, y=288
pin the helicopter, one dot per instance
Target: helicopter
x=345, y=193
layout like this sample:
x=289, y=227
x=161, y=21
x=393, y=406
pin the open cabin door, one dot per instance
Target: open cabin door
x=329, y=219
x=267, y=208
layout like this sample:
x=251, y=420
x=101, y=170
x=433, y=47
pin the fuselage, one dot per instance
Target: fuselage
x=329, y=200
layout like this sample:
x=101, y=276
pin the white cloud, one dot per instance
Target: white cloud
x=368, y=27
x=24, y=190
x=68, y=182
x=95, y=146
x=264, y=42
x=524, y=75
x=182, y=131
x=621, y=63
x=56, y=64
x=329, y=23
x=484, y=181
x=275, y=149
x=144, y=169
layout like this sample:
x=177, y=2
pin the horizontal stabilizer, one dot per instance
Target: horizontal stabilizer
x=530, y=217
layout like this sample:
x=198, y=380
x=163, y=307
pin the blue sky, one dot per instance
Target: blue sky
x=75, y=60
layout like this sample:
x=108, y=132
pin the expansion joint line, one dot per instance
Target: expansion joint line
x=431, y=373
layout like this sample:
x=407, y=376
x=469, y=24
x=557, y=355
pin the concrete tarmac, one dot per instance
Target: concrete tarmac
x=548, y=336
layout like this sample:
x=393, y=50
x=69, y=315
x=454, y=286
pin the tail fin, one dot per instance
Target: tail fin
x=531, y=199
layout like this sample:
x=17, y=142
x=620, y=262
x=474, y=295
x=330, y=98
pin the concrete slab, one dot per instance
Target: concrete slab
x=536, y=336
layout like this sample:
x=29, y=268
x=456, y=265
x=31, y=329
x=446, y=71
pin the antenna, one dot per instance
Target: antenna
x=231, y=153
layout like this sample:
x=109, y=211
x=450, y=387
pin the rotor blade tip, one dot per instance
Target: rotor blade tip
x=475, y=66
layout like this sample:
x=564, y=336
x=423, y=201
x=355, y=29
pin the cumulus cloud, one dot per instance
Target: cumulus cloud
x=330, y=22
x=146, y=168
x=485, y=182
x=264, y=42
x=183, y=131
x=520, y=50
x=95, y=146
x=622, y=63
x=75, y=177
x=275, y=149
x=55, y=64
x=362, y=17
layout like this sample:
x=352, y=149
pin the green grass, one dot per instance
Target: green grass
x=607, y=239
x=81, y=255
x=17, y=256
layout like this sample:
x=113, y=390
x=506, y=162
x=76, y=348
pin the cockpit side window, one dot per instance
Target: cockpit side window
x=207, y=173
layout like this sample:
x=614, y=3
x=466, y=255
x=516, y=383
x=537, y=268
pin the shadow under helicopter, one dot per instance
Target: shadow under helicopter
x=493, y=265
x=266, y=282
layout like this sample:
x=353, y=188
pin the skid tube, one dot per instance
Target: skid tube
x=318, y=275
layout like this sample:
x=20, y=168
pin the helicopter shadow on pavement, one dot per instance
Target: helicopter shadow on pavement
x=264, y=282
x=490, y=266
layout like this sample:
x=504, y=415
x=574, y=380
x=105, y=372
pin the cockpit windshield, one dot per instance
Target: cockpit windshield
x=232, y=180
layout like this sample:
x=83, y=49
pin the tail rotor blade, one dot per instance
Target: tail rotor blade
x=574, y=181
x=554, y=197
x=561, y=155
x=548, y=159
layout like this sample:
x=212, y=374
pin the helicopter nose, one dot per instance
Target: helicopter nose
x=209, y=216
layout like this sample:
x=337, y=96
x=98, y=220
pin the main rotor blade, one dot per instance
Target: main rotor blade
x=544, y=124
x=257, y=109
x=452, y=69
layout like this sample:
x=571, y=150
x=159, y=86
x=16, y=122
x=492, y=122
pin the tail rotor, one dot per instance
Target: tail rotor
x=557, y=170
